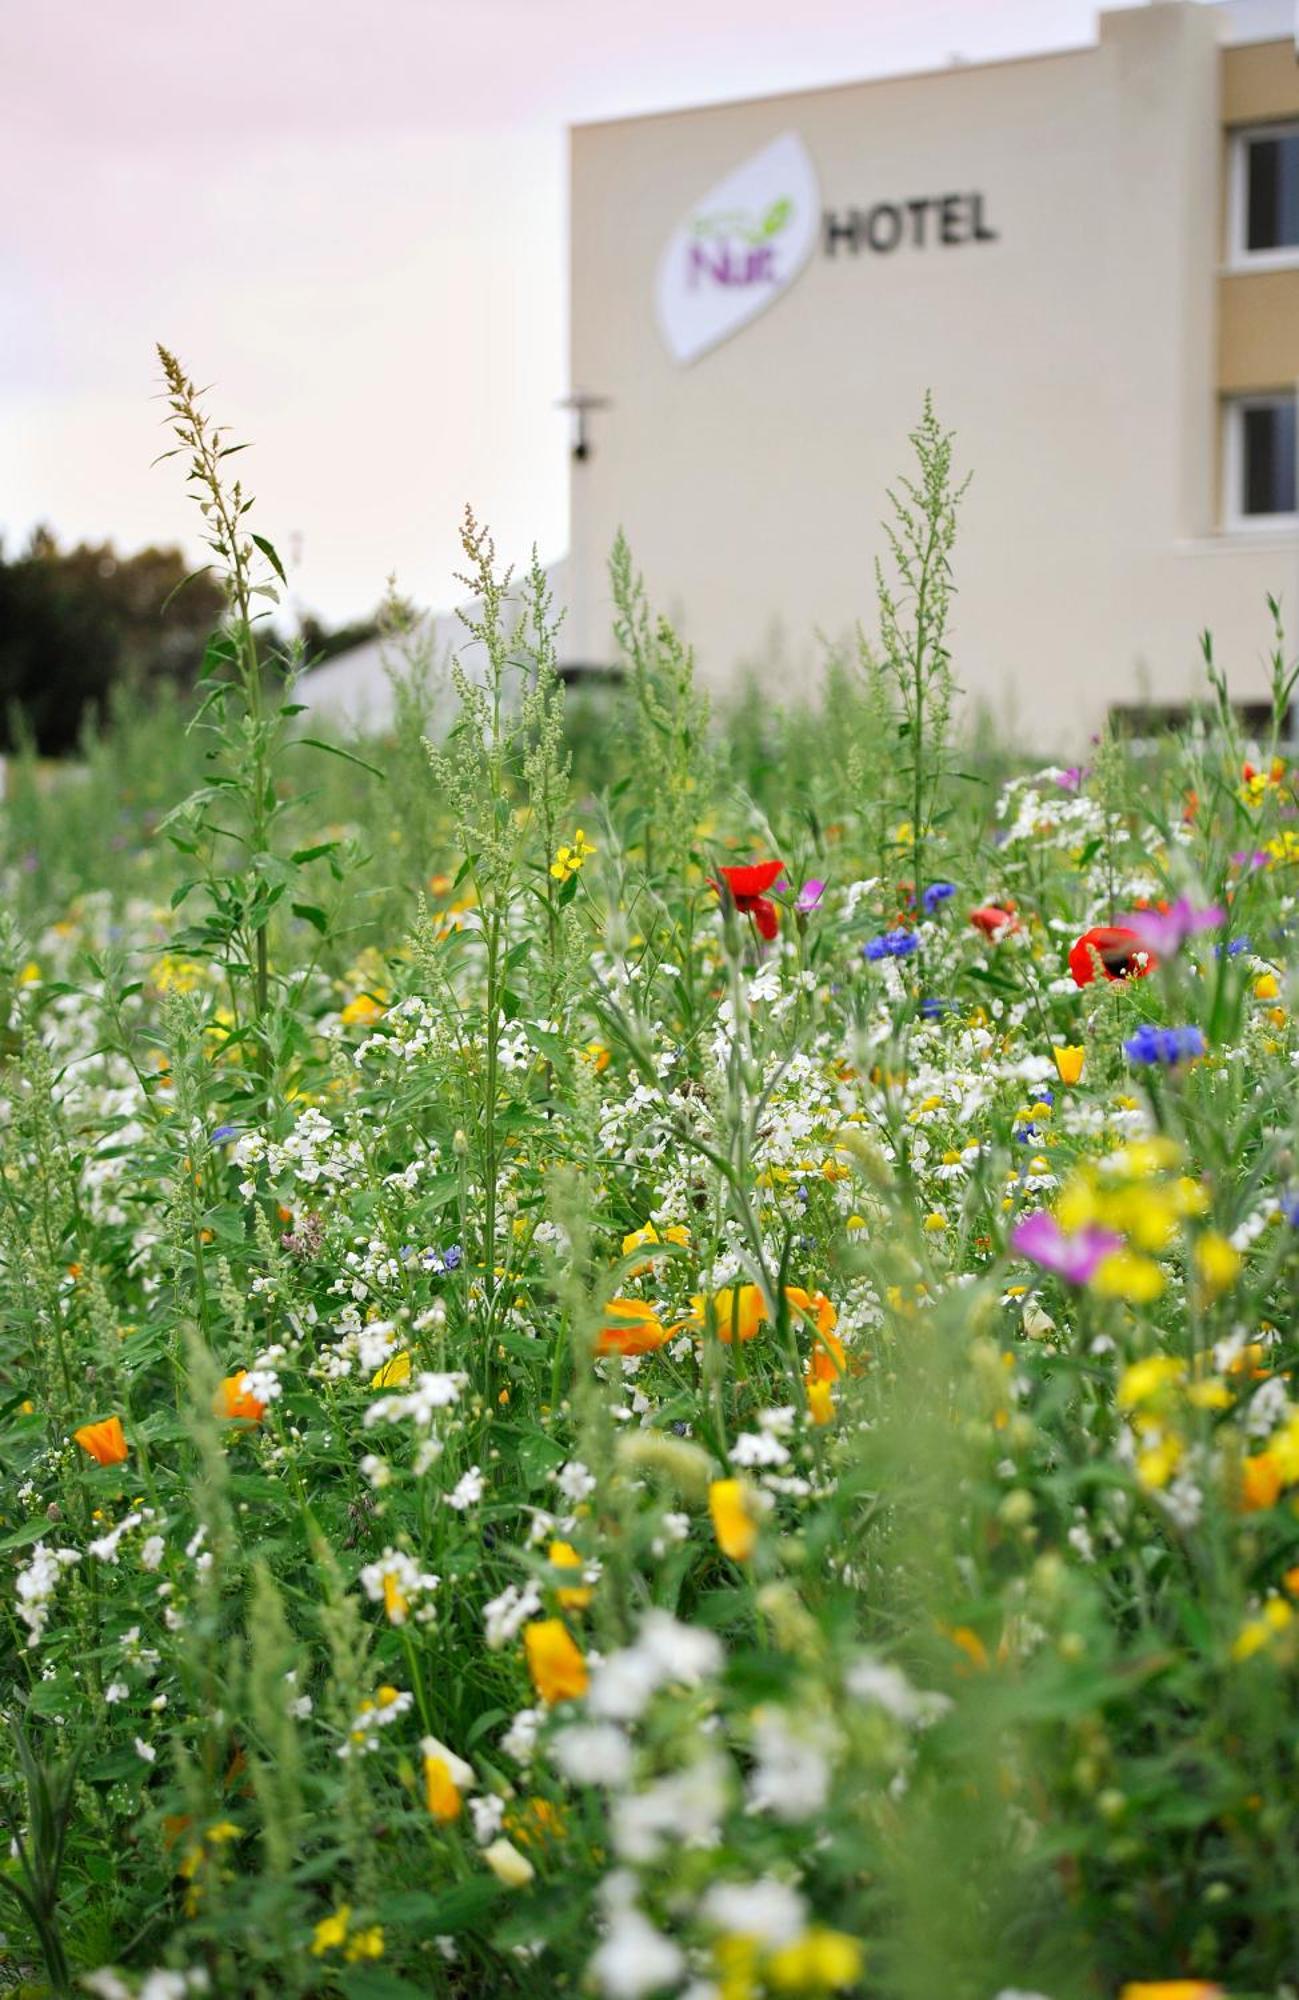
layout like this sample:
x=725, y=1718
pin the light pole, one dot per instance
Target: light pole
x=581, y=403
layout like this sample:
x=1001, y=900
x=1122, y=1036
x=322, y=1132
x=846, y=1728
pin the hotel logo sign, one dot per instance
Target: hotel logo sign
x=746, y=242
x=738, y=249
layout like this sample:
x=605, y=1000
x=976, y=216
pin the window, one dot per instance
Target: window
x=1260, y=485
x=1265, y=204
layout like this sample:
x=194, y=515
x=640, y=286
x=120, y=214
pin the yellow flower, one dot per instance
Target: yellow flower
x=820, y=1401
x=739, y=1311
x=821, y=1961
x=730, y=1502
x=1266, y=986
x=365, y=1944
x=1125, y=1275
x=446, y=1776
x=1157, y=1462
x=1145, y=1381
x=1217, y=1261
x=1170, y=1989
x=1069, y=1061
x=597, y=1054
x=935, y=1221
x=1257, y=1633
x=568, y=860
x=572, y=1597
x=393, y=1373
x=640, y=1239
x=330, y=1931
x=555, y=1662
x=364, y=1010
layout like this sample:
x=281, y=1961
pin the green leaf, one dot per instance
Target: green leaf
x=332, y=750
x=268, y=550
x=310, y=914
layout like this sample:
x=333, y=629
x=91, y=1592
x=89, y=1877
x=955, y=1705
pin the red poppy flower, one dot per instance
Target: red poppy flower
x=1120, y=952
x=993, y=921
x=748, y=886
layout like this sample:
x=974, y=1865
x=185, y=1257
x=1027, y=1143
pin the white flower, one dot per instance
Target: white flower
x=36, y=1585
x=520, y=1739
x=106, y=1547
x=468, y=1491
x=145, y=1750
x=488, y=1816
x=152, y=1552
x=575, y=1482
x=505, y=1616
x=635, y=1959
x=116, y=1691
x=398, y=1583
x=592, y=1753
x=769, y=1911
x=684, y=1810
x=791, y=1777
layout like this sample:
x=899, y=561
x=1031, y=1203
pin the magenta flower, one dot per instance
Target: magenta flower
x=1071, y=779
x=809, y=896
x=1164, y=931
x=1041, y=1240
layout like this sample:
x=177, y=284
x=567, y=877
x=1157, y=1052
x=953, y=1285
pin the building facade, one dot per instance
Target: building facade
x=1091, y=259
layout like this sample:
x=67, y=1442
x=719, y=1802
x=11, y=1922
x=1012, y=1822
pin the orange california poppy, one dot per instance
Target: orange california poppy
x=631, y=1327
x=235, y=1402
x=105, y=1441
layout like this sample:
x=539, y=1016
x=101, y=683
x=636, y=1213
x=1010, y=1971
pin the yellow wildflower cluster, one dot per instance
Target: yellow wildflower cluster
x=569, y=861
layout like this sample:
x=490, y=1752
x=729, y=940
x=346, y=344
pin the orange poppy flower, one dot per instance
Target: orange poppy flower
x=631, y=1327
x=235, y=1402
x=104, y=1441
x=816, y=1306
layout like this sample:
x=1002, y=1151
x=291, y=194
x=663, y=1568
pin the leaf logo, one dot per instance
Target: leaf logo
x=739, y=249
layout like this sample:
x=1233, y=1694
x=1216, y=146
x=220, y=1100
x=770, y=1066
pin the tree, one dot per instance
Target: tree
x=76, y=622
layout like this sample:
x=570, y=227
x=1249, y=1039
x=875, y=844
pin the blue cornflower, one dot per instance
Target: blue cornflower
x=224, y=1132
x=1232, y=950
x=1290, y=1210
x=1168, y=1046
x=933, y=1008
x=453, y=1258
x=891, y=944
x=936, y=895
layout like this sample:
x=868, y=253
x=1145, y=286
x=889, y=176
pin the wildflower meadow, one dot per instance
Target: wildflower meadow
x=647, y=1353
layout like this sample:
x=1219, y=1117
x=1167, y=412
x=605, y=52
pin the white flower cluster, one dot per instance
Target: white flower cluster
x=36, y=1585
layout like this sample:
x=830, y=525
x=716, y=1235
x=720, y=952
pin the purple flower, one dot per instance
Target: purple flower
x=1070, y=780
x=224, y=1132
x=1041, y=1240
x=936, y=895
x=808, y=897
x=1163, y=931
x=891, y=944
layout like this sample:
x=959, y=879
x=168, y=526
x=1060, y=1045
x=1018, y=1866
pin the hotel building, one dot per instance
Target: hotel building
x=1091, y=258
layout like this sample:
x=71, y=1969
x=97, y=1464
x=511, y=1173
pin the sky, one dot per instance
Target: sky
x=351, y=221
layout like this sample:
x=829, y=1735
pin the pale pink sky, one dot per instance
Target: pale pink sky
x=351, y=218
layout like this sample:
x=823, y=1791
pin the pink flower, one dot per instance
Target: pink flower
x=809, y=896
x=1041, y=1240
x=1163, y=931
